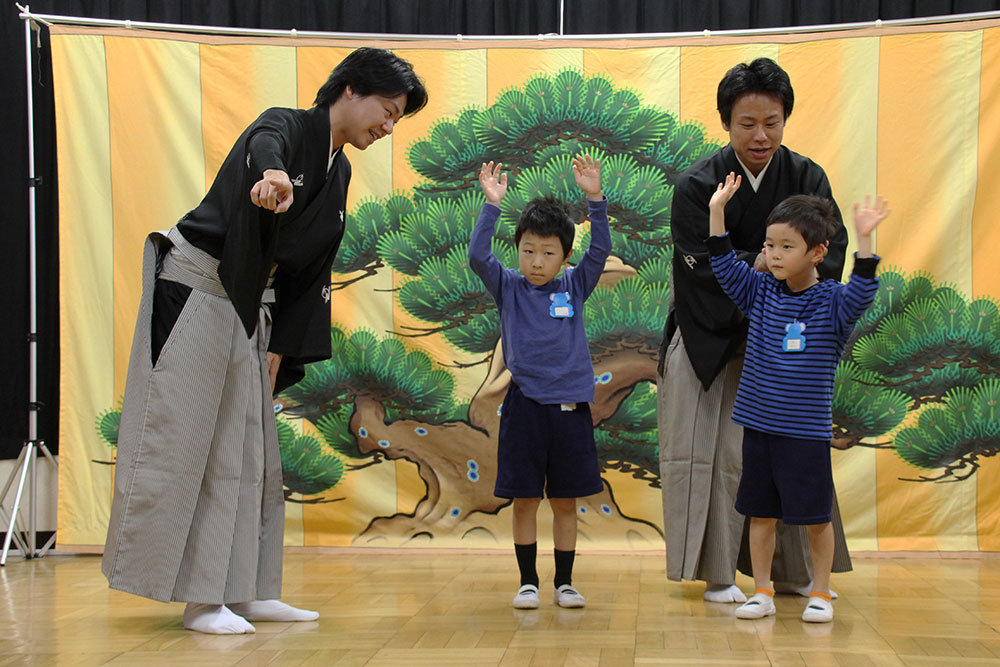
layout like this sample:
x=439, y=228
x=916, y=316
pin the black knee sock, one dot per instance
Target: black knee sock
x=564, y=567
x=526, y=554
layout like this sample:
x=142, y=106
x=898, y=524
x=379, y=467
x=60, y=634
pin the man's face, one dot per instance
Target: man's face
x=757, y=124
x=540, y=257
x=366, y=118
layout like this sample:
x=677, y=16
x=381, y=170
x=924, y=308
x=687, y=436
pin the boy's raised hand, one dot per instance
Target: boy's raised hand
x=493, y=182
x=725, y=191
x=587, y=172
x=868, y=217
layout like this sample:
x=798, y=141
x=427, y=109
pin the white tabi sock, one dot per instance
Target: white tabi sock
x=272, y=610
x=723, y=593
x=214, y=619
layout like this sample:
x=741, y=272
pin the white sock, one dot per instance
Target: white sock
x=214, y=619
x=272, y=610
x=723, y=593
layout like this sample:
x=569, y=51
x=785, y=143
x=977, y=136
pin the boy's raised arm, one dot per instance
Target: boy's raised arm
x=587, y=273
x=717, y=204
x=481, y=258
x=587, y=172
x=493, y=182
x=866, y=219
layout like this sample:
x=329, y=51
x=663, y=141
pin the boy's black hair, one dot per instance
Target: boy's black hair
x=370, y=71
x=763, y=75
x=545, y=216
x=811, y=216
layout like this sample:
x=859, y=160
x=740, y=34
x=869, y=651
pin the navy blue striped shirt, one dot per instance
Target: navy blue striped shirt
x=794, y=343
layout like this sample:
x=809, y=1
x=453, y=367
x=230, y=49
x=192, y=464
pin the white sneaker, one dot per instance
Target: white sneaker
x=569, y=597
x=526, y=598
x=818, y=610
x=758, y=606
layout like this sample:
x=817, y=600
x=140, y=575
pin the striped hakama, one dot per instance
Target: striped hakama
x=701, y=459
x=198, y=507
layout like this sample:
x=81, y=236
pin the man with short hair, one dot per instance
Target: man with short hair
x=235, y=301
x=702, y=351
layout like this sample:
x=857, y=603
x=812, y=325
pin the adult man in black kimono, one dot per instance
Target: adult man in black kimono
x=702, y=352
x=235, y=301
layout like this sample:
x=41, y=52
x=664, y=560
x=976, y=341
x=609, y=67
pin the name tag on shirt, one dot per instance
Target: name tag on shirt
x=794, y=341
x=560, y=306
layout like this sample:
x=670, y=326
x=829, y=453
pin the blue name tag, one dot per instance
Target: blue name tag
x=794, y=341
x=560, y=306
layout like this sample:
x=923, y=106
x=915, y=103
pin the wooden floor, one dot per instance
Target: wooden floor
x=439, y=608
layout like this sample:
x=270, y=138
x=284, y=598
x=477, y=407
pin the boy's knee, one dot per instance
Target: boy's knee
x=819, y=528
x=526, y=504
x=763, y=522
x=563, y=506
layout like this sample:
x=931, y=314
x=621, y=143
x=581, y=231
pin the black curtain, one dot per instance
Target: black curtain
x=469, y=17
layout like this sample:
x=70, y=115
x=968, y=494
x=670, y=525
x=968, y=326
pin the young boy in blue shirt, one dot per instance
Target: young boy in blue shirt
x=546, y=435
x=798, y=328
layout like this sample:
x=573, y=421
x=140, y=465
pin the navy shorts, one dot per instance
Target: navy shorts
x=785, y=478
x=543, y=448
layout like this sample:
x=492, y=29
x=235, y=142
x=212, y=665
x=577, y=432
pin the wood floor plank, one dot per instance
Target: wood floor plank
x=453, y=608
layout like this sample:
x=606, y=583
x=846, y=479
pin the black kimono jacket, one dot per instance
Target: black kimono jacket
x=302, y=242
x=712, y=326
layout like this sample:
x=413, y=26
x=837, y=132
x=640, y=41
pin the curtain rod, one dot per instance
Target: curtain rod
x=50, y=19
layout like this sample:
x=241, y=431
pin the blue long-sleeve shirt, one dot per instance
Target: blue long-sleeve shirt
x=547, y=356
x=794, y=343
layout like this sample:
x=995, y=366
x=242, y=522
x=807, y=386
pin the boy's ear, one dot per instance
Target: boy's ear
x=819, y=252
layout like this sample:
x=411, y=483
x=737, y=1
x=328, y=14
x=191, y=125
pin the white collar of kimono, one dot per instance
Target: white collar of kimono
x=333, y=154
x=754, y=181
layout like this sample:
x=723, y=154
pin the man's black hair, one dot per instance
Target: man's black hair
x=370, y=71
x=545, y=216
x=762, y=76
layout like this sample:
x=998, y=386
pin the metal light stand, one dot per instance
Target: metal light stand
x=26, y=468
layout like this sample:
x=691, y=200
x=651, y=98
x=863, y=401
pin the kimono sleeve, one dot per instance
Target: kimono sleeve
x=300, y=328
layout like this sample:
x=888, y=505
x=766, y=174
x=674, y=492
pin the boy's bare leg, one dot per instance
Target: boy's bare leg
x=525, y=520
x=563, y=523
x=819, y=609
x=762, y=532
x=761, y=603
x=821, y=545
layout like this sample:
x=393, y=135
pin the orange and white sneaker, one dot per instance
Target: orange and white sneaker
x=760, y=604
x=819, y=609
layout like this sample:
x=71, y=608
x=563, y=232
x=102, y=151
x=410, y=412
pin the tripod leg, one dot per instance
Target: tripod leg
x=52, y=540
x=13, y=474
x=25, y=464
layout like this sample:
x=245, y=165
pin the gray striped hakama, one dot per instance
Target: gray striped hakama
x=198, y=507
x=701, y=459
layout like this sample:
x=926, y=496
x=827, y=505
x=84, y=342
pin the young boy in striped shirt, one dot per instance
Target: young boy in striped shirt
x=798, y=328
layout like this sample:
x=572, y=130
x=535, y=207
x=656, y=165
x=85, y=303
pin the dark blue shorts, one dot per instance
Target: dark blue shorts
x=543, y=448
x=785, y=478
